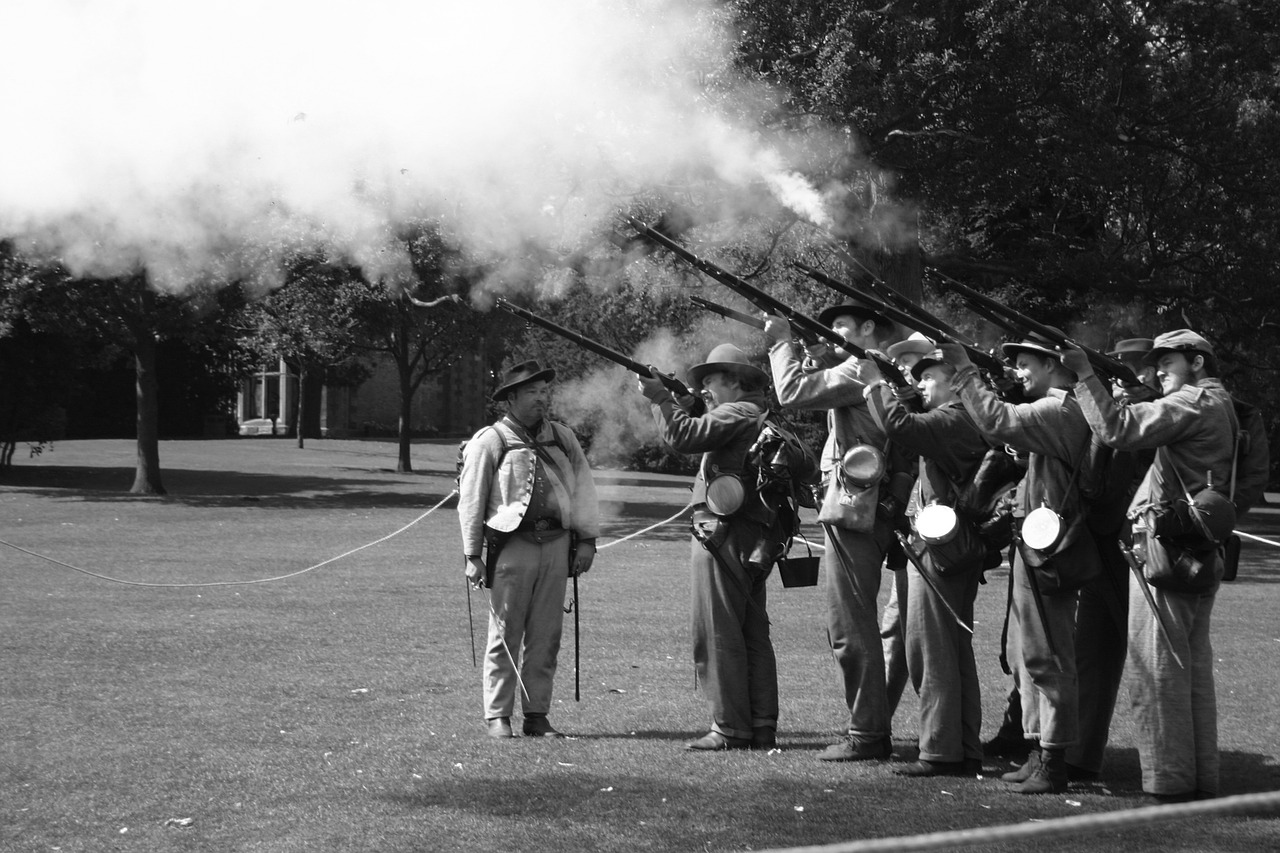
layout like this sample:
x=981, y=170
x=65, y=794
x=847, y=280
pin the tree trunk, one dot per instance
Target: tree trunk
x=404, y=459
x=147, y=476
x=297, y=403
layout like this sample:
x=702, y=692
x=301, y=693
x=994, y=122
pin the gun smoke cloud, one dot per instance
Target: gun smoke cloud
x=172, y=136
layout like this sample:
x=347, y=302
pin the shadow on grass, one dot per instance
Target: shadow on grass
x=689, y=815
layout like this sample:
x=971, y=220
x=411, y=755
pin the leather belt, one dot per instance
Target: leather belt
x=541, y=524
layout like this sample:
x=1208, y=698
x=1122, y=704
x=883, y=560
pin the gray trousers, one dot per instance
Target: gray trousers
x=527, y=597
x=1175, y=709
x=1050, y=696
x=943, y=670
x=732, y=651
x=893, y=640
x=1101, y=627
x=852, y=566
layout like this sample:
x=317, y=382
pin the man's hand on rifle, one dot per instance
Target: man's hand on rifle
x=1077, y=361
x=475, y=572
x=869, y=371
x=955, y=355
x=652, y=388
x=583, y=557
x=777, y=327
x=1140, y=393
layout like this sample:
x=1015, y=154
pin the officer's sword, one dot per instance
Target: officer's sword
x=471, y=625
x=502, y=632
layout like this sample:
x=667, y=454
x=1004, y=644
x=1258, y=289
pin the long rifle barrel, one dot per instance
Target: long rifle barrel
x=912, y=320
x=672, y=384
x=1101, y=362
x=806, y=327
x=730, y=313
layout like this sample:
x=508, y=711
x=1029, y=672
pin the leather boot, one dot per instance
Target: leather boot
x=1050, y=777
x=1024, y=772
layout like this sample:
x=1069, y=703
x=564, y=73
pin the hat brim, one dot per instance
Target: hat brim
x=501, y=394
x=828, y=316
x=700, y=371
x=1011, y=351
x=909, y=346
x=918, y=369
x=1152, y=359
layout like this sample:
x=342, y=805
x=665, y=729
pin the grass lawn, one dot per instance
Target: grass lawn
x=339, y=710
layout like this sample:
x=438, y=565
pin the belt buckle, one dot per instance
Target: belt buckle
x=544, y=524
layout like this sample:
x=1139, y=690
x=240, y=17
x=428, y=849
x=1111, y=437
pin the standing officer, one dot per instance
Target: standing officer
x=1193, y=429
x=732, y=651
x=1052, y=431
x=525, y=495
x=855, y=549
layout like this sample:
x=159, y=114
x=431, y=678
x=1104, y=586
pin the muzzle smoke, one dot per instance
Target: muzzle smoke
x=198, y=141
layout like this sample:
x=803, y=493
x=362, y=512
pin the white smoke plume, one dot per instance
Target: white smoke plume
x=174, y=135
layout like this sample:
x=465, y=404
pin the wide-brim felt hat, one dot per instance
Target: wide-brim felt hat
x=862, y=312
x=1179, y=340
x=522, y=374
x=1032, y=344
x=725, y=358
x=915, y=343
x=1132, y=348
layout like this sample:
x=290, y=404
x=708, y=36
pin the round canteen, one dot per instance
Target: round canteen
x=937, y=524
x=725, y=494
x=862, y=466
x=1042, y=529
x=955, y=545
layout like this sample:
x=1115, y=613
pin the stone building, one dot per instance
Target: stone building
x=452, y=402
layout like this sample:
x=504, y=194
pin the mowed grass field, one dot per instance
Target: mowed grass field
x=339, y=709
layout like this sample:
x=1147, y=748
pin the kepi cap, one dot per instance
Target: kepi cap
x=727, y=358
x=930, y=360
x=522, y=374
x=1179, y=340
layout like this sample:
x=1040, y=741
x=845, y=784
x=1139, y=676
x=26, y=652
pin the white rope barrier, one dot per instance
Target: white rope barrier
x=234, y=583
x=1056, y=828
x=1258, y=538
x=647, y=529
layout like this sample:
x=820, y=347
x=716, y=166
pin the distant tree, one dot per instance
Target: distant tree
x=420, y=322
x=125, y=312
x=310, y=322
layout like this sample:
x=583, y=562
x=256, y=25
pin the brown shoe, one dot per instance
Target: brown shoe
x=1049, y=777
x=853, y=749
x=1024, y=772
x=714, y=742
x=539, y=726
x=499, y=727
x=924, y=767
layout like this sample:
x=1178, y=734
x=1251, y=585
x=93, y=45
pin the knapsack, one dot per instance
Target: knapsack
x=786, y=468
x=1252, y=459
